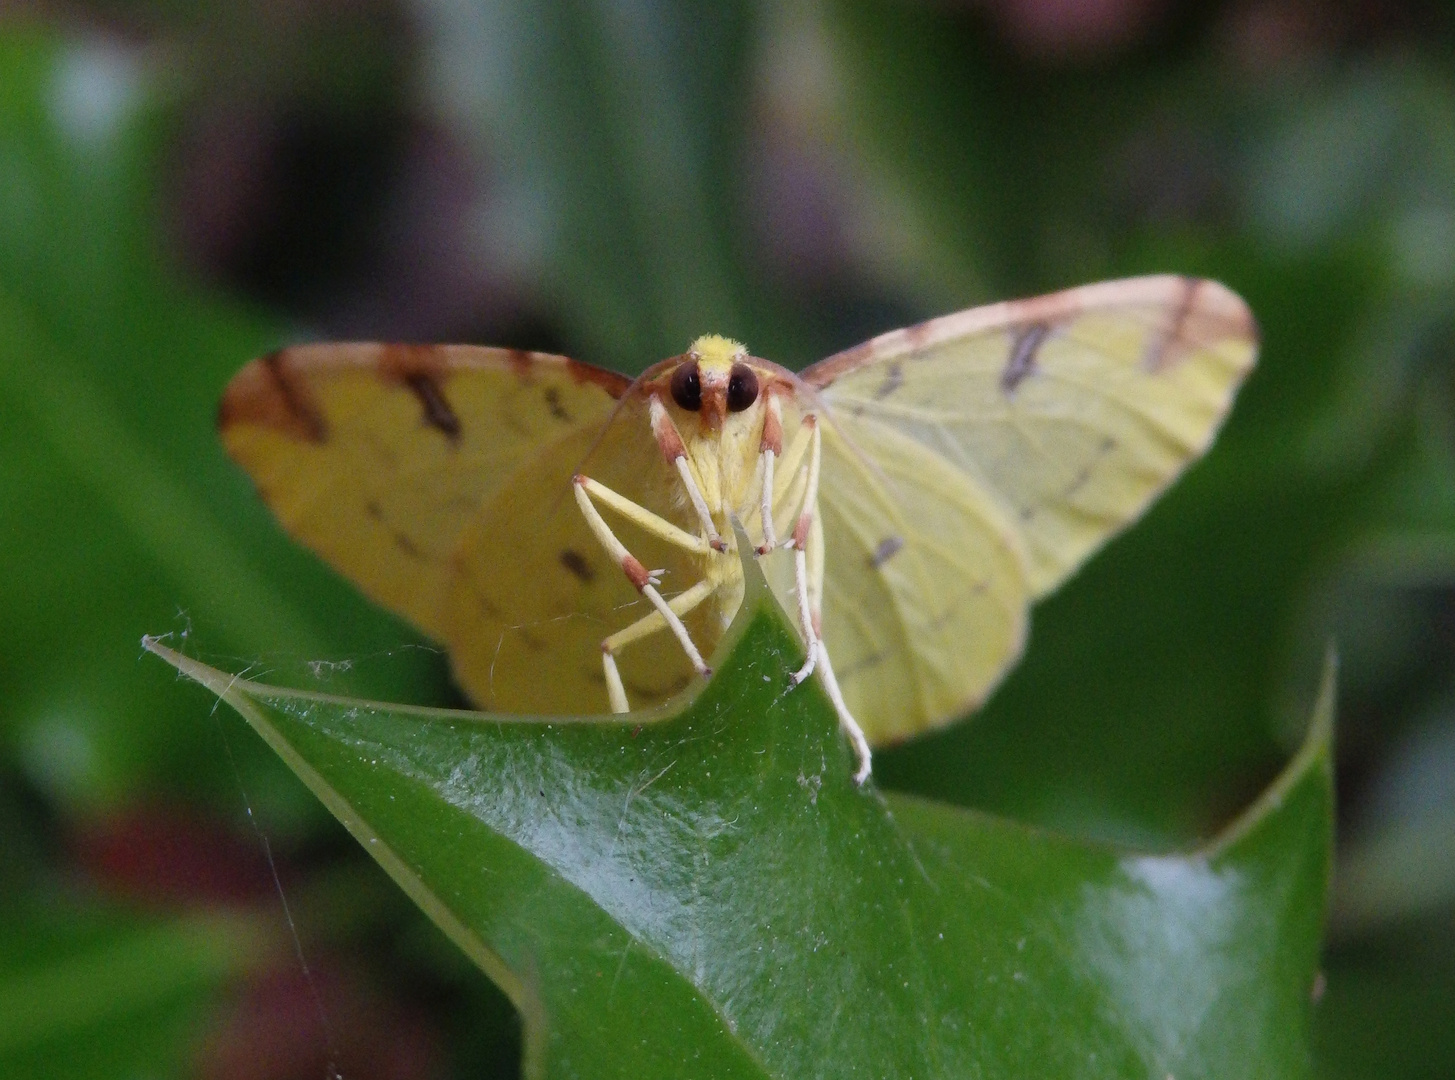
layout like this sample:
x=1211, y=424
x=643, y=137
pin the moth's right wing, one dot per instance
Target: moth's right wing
x=981, y=457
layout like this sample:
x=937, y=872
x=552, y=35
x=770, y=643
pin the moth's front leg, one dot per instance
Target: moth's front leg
x=669, y=440
x=770, y=448
x=799, y=543
x=774, y=506
x=646, y=625
x=808, y=574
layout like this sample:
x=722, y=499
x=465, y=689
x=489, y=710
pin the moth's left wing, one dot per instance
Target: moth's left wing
x=438, y=478
x=382, y=458
x=1072, y=411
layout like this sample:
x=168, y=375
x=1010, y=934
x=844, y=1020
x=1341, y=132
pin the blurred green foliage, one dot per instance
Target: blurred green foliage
x=800, y=176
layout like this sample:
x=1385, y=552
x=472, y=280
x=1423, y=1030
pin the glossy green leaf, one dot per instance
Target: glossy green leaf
x=705, y=892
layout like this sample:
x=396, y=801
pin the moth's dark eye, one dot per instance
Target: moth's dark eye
x=742, y=388
x=687, y=386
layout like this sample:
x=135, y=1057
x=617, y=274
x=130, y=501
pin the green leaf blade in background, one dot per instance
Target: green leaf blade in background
x=100, y=991
x=623, y=127
x=118, y=501
x=707, y=893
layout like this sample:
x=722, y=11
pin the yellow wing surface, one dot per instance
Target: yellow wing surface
x=438, y=478
x=974, y=461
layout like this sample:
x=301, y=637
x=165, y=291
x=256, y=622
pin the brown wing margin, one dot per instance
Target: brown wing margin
x=1202, y=310
x=272, y=391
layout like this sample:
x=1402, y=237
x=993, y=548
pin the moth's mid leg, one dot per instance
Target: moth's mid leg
x=645, y=581
x=647, y=624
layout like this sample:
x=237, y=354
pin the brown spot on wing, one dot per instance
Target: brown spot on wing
x=1204, y=314
x=1050, y=310
x=576, y=563
x=1022, y=362
x=437, y=411
x=893, y=380
x=528, y=366
x=1163, y=350
x=532, y=642
x=487, y=606
x=403, y=542
x=423, y=369
x=270, y=393
x=522, y=362
x=1081, y=479
x=885, y=550
x=1214, y=315
x=553, y=403
x=397, y=362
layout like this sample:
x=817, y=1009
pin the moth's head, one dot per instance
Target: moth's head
x=713, y=378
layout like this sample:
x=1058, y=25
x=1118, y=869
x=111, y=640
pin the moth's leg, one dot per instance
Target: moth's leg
x=769, y=449
x=645, y=582
x=796, y=451
x=787, y=483
x=846, y=719
x=799, y=543
x=808, y=556
x=675, y=451
x=647, y=624
x=636, y=513
x=790, y=500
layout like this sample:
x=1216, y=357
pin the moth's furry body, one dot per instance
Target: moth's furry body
x=723, y=449
x=717, y=415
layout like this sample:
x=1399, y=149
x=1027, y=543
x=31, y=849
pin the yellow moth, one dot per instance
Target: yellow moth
x=566, y=531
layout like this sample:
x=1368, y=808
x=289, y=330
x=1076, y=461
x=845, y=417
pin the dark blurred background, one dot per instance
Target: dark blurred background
x=184, y=186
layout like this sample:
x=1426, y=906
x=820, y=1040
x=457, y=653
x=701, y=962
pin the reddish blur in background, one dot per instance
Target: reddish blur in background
x=186, y=185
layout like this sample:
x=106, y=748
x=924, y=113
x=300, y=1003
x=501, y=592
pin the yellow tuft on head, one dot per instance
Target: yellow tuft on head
x=714, y=350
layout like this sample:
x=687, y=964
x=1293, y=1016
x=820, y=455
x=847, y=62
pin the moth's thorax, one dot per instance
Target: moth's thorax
x=725, y=460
